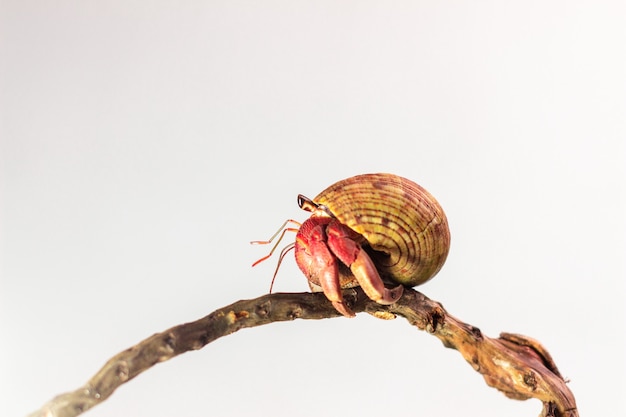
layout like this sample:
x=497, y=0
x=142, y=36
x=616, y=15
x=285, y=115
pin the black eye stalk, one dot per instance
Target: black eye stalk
x=305, y=203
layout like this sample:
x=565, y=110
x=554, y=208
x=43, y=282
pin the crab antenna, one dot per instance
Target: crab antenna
x=282, y=229
x=283, y=252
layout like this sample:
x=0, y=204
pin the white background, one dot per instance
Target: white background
x=144, y=144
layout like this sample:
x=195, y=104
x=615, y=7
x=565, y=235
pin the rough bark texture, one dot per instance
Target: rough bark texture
x=516, y=365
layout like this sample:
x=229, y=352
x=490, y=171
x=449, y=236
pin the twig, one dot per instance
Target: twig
x=514, y=364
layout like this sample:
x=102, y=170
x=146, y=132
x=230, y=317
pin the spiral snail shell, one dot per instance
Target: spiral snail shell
x=401, y=222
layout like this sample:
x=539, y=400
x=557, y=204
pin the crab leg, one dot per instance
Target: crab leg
x=341, y=241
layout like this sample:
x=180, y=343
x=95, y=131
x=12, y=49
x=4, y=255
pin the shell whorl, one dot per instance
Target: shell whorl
x=398, y=218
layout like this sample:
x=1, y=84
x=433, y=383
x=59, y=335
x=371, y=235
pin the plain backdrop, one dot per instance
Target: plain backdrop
x=145, y=143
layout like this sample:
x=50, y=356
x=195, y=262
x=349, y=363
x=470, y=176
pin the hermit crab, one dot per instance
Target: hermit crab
x=369, y=230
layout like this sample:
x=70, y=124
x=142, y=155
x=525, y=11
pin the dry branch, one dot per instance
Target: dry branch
x=516, y=365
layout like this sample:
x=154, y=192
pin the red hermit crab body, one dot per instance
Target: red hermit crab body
x=323, y=245
x=369, y=230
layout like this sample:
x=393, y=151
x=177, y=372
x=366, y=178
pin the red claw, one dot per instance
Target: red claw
x=342, y=242
x=318, y=263
x=319, y=243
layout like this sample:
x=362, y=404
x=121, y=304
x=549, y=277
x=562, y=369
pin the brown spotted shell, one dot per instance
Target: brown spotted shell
x=404, y=226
